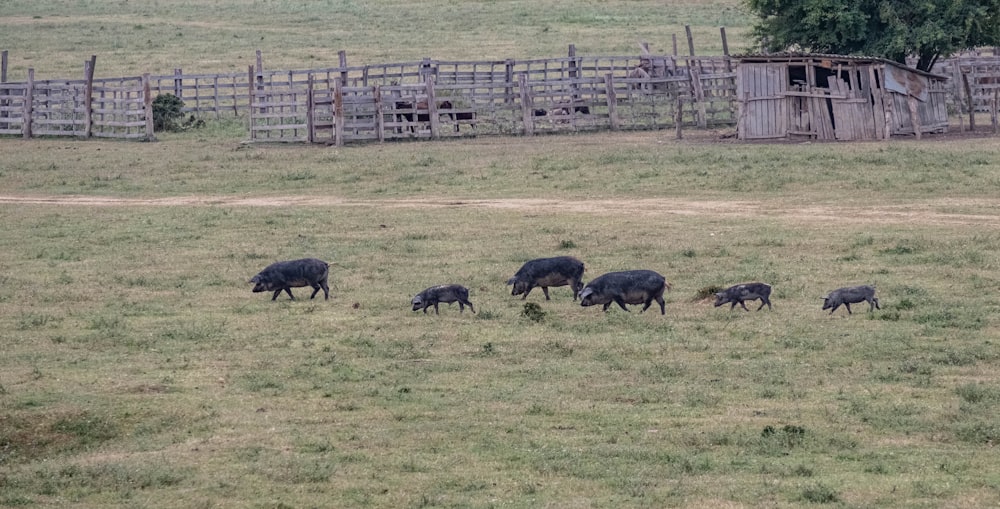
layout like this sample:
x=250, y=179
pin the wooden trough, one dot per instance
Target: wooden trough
x=836, y=97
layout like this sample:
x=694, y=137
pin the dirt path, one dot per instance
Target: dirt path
x=933, y=212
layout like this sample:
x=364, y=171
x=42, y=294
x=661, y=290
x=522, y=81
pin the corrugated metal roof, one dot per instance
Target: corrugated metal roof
x=796, y=57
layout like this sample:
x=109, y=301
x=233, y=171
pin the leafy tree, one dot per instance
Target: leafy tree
x=891, y=29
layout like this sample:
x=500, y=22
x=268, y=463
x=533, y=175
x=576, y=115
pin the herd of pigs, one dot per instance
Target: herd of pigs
x=626, y=287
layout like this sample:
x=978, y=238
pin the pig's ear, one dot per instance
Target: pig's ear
x=511, y=281
x=718, y=295
x=586, y=292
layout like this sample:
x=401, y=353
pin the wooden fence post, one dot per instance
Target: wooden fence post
x=674, y=37
x=972, y=109
x=3, y=79
x=88, y=100
x=379, y=115
x=146, y=92
x=250, y=99
x=29, y=97
x=574, y=74
x=687, y=30
x=679, y=116
x=338, y=114
x=310, y=126
x=993, y=110
x=432, y=110
x=725, y=49
x=260, y=67
x=526, y=113
x=179, y=83
x=509, y=73
x=699, y=97
x=215, y=96
x=259, y=78
x=342, y=62
x=609, y=87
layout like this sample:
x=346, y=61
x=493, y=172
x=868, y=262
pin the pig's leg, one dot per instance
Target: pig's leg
x=621, y=303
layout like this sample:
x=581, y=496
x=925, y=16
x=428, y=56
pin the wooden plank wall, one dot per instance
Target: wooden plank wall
x=931, y=114
x=851, y=105
x=764, y=112
x=852, y=108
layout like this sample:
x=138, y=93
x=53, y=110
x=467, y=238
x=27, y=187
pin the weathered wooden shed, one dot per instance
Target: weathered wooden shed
x=836, y=97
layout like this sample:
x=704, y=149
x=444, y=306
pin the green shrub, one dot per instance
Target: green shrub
x=167, y=112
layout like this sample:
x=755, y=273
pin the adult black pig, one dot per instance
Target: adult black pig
x=293, y=274
x=627, y=287
x=736, y=294
x=546, y=272
x=851, y=295
x=442, y=293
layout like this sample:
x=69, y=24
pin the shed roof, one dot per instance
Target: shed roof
x=802, y=57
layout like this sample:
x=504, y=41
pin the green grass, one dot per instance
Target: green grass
x=140, y=367
x=130, y=38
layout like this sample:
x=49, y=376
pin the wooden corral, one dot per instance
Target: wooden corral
x=836, y=97
x=975, y=80
x=377, y=102
x=436, y=99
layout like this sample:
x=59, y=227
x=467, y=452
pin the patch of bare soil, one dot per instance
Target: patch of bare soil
x=933, y=212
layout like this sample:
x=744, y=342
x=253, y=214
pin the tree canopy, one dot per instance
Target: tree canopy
x=890, y=29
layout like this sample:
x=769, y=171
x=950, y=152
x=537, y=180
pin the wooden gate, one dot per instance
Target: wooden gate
x=764, y=105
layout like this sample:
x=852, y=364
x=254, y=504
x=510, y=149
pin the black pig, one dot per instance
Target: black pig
x=546, y=272
x=293, y=274
x=442, y=293
x=851, y=295
x=747, y=291
x=628, y=287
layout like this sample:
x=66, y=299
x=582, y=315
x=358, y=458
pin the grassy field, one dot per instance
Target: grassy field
x=130, y=38
x=139, y=371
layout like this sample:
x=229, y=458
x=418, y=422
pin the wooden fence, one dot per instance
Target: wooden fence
x=107, y=108
x=434, y=99
x=974, y=78
x=974, y=84
x=378, y=102
x=344, y=114
x=485, y=97
x=118, y=108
